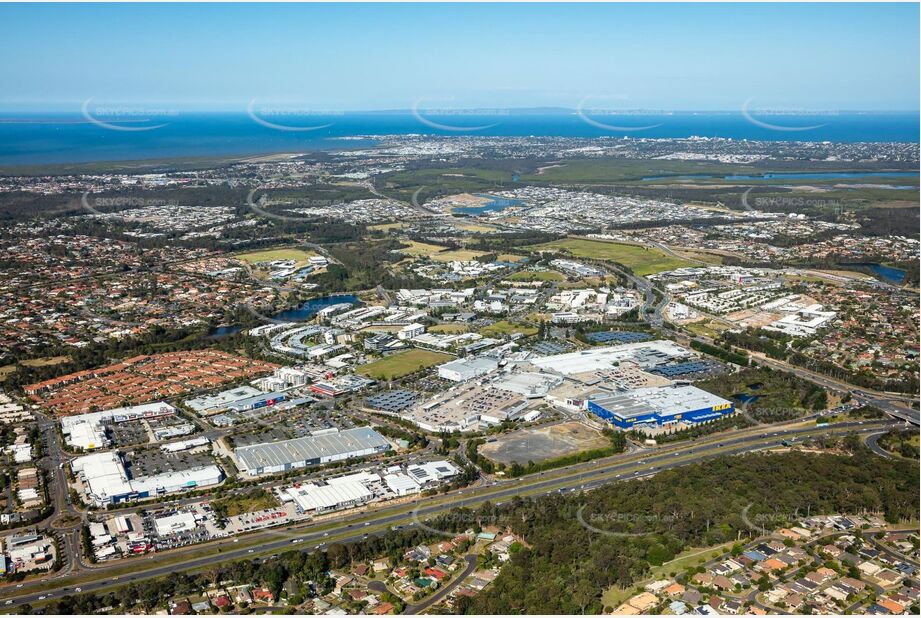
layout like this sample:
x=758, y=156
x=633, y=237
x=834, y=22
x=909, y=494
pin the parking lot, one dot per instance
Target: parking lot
x=150, y=461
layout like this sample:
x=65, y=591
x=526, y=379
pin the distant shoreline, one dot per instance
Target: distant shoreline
x=33, y=141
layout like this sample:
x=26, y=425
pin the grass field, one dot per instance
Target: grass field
x=387, y=226
x=460, y=255
x=45, y=362
x=507, y=328
x=450, y=329
x=707, y=328
x=420, y=249
x=389, y=328
x=477, y=228
x=626, y=170
x=511, y=257
x=615, y=595
x=255, y=500
x=537, y=275
x=438, y=253
x=403, y=364
x=641, y=260
x=7, y=370
x=270, y=255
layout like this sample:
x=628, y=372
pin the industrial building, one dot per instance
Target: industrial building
x=88, y=432
x=220, y=402
x=392, y=401
x=105, y=480
x=646, y=354
x=333, y=496
x=531, y=385
x=274, y=457
x=461, y=370
x=262, y=400
x=658, y=407
x=431, y=472
x=617, y=336
x=185, y=445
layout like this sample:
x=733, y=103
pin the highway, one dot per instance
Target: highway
x=897, y=405
x=314, y=536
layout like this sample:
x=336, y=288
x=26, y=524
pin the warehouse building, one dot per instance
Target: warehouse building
x=346, y=493
x=431, y=472
x=461, y=370
x=658, y=407
x=392, y=401
x=401, y=484
x=274, y=457
x=645, y=354
x=88, y=432
x=219, y=402
x=105, y=480
x=262, y=400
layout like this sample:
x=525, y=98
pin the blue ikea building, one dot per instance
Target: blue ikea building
x=658, y=406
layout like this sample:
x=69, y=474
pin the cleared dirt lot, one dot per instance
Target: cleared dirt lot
x=543, y=443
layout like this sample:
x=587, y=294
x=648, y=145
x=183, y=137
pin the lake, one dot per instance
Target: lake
x=494, y=204
x=889, y=274
x=310, y=308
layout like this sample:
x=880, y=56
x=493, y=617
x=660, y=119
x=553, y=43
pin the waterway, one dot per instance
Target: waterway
x=494, y=204
x=889, y=274
x=310, y=308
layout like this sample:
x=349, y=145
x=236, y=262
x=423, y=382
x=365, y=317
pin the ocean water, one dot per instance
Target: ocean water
x=71, y=138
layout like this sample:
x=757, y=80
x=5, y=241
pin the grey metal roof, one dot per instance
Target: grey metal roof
x=308, y=448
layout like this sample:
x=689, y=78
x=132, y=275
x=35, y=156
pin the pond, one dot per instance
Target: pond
x=310, y=308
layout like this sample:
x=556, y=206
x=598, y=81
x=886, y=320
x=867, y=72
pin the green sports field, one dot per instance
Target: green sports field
x=402, y=364
x=641, y=260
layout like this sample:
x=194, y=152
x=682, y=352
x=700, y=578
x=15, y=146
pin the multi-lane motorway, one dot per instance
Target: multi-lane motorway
x=316, y=536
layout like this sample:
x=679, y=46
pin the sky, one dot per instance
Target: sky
x=345, y=57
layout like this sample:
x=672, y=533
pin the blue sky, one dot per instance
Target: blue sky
x=372, y=57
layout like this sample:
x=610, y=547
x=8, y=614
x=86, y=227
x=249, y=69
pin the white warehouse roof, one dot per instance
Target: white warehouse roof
x=313, y=498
